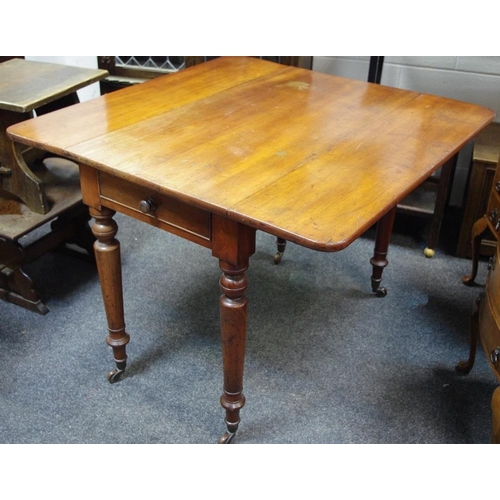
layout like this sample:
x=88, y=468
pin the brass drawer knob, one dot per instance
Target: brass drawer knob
x=147, y=206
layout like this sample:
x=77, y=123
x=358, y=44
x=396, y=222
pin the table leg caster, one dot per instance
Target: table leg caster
x=277, y=257
x=227, y=438
x=115, y=375
x=429, y=252
x=380, y=292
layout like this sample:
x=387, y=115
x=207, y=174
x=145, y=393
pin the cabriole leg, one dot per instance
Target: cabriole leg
x=478, y=230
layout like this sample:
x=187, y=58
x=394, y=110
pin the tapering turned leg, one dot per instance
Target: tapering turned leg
x=465, y=367
x=281, y=245
x=233, y=318
x=379, y=259
x=107, y=253
x=478, y=230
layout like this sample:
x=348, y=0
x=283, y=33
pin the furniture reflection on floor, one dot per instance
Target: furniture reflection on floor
x=485, y=157
x=252, y=146
x=485, y=324
x=34, y=190
x=489, y=223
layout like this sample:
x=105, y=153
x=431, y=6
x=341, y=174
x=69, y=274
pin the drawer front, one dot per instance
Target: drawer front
x=489, y=315
x=490, y=334
x=164, y=211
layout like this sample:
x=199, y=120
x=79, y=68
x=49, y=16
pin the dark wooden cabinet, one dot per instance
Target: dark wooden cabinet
x=482, y=172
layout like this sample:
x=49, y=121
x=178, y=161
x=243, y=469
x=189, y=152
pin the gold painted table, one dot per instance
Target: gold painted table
x=220, y=150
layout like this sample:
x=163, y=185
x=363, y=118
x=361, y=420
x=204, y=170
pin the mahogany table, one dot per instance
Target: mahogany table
x=220, y=150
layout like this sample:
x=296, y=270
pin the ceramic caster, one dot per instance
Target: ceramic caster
x=429, y=252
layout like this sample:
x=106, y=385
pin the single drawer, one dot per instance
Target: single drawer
x=489, y=315
x=490, y=333
x=170, y=214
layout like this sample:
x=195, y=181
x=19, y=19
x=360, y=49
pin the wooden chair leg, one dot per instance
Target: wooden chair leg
x=478, y=230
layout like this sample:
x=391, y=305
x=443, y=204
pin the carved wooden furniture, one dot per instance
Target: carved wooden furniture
x=235, y=145
x=34, y=193
x=27, y=86
x=485, y=157
x=68, y=220
x=485, y=324
x=488, y=223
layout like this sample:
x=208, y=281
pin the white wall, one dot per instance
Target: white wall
x=474, y=79
x=86, y=93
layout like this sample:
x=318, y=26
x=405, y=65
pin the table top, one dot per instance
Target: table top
x=310, y=157
x=26, y=85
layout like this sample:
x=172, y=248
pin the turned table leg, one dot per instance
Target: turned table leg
x=281, y=245
x=379, y=259
x=233, y=319
x=107, y=253
x=232, y=245
x=478, y=230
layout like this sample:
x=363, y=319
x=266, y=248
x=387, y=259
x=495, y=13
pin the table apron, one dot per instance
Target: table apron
x=171, y=215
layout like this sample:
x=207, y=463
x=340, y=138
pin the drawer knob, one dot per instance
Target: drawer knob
x=497, y=186
x=147, y=206
x=495, y=355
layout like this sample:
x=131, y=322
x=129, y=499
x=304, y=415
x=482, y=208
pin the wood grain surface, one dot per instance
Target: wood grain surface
x=313, y=158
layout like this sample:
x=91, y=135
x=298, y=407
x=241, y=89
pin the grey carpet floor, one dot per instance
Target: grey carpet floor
x=327, y=362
